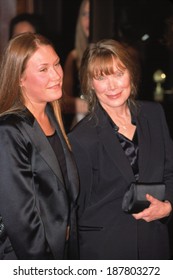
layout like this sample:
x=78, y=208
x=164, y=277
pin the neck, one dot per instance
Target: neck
x=122, y=118
x=42, y=118
x=37, y=109
x=120, y=115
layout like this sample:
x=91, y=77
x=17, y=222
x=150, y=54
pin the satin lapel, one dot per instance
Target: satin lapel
x=144, y=145
x=42, y=145
x=70, y=164
x=114, y=149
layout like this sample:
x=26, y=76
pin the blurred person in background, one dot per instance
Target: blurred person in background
x=26, y=22
x=74, y=106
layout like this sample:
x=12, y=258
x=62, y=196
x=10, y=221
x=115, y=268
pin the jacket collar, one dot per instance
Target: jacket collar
x=70, y=163
x=114, y=148
x=37, y=136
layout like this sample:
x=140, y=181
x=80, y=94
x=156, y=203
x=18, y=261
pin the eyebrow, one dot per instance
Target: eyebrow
x=45, y=63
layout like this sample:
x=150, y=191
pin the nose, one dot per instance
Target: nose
x=56, y=73
x=111, y=83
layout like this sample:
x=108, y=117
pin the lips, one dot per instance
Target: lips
x=55, y=86
x=114, y=96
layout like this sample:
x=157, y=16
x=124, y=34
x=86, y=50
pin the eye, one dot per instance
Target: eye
x=43, y=69
x=119, y=74
x=85, y=14
x=100, y=78
x=57, y=64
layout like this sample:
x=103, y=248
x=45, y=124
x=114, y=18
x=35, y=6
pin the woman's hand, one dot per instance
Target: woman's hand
x=156, y=210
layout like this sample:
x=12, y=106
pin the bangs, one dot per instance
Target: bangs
x=104, y=65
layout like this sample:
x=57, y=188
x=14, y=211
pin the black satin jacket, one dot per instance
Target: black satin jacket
x=35, y=205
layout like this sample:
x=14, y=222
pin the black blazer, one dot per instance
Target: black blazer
x=34, y=202
x=105, y=232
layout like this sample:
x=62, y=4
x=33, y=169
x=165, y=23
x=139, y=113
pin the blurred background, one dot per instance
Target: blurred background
x=145, y=25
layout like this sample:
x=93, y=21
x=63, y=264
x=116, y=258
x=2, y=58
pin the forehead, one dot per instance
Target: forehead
x=85, y=6
x=23, y=27
x=45, y=54
x=105, y=65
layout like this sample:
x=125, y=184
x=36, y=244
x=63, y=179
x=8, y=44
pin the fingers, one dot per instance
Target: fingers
x=155, y=211
x=150, y=198
x=142, y=215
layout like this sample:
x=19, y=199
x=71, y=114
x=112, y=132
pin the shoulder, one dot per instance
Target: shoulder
x=70, y=64
x=72, y=56
x=153, y=112
x=10, y=120
x=12, y=123
x=17, y=117
x=10, y=131
x=92, y=123
x=85, y=124
x=9, y=126
x=149, y=108
x=85, y=129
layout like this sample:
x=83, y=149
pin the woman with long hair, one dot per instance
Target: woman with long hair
x=39, y=182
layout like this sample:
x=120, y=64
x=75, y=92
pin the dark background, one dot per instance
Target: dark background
x=133, y=18
x=124, y=20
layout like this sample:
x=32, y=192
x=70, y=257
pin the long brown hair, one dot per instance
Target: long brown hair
x=13, y=64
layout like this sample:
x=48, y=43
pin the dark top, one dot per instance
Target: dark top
x=131, y=150
x=130, y=147
x=57, y=147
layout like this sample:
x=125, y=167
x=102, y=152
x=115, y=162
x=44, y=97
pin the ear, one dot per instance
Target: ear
x=21, y=81
x=91, y=85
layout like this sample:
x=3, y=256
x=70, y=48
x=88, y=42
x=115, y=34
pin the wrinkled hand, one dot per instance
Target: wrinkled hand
x=155, y=211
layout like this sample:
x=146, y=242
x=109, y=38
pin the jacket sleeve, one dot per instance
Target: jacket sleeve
x=168, y=169
x=18, y=203
x=84, y=164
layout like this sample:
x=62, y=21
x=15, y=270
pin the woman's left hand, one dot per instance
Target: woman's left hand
x=156, y=210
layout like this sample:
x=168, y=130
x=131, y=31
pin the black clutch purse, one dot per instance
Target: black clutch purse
x=134, y=200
